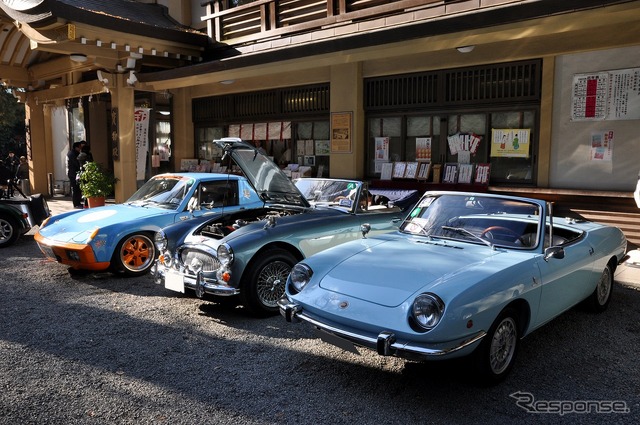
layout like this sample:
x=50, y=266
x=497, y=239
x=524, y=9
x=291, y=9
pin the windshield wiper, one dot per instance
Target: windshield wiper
x=467, y=232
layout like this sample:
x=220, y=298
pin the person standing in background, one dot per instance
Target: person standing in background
x=73, y=168
x=12, y=163
x=85, y=154
x=23, y=175
x=258, y=145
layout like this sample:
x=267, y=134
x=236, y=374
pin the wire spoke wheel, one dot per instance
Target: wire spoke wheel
x=603, y=290
x=264, y=281
x=271, y=281
x=503, y=345
x=600, y=298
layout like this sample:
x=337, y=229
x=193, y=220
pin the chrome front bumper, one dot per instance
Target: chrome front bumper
x=199, y=283
x=385, y=343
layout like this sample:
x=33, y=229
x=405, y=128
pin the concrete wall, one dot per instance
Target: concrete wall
x=571, y=167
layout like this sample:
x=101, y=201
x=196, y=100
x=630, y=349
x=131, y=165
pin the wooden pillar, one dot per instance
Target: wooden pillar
x=347, y=96
x=124, y=167
x=546, y=119
x=39, y=146
x=183, y=145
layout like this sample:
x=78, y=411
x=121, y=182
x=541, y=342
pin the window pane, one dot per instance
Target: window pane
x=321, y=130
x=204, y=144
x=304, y=130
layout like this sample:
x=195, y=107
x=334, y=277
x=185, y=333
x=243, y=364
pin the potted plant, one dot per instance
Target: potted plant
x=95, y=183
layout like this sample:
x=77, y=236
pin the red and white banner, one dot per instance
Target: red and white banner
x=141, y=121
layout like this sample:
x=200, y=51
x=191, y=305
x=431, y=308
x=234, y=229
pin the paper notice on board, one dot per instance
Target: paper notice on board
x=602, y=146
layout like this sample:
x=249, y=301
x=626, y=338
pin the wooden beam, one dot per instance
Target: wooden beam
x=76, y=90
x=13, y=73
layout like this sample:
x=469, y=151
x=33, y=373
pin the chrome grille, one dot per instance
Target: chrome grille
x=209, y=263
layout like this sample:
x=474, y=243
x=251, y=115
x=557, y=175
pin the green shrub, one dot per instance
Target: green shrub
x=95, y=181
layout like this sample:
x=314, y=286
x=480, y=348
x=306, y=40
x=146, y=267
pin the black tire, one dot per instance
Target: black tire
x=134, y=255
x=599, y=300
x=496, y=355
x=264, y=282
x=8, y=231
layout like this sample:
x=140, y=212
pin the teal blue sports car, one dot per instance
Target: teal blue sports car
x=466, y=274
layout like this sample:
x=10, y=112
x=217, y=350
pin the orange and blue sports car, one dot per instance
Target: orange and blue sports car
x=120, y=237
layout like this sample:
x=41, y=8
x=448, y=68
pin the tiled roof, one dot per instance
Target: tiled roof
x=128, y=10
x=128, y=16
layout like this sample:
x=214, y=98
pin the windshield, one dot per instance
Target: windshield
x=338, y=193
x=478, y=219
x=163, y=192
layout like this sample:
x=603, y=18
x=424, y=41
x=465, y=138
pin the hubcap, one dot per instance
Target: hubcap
x=137, y=253
x=6, y=231
x=604, y=287
x=503, y=345
x=271, y=283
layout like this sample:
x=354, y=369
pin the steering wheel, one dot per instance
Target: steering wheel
x=492, y=230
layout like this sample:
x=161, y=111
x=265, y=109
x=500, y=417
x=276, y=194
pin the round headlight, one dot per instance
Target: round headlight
x=160, y=241
x=427, y=310
x=300, y=276
x=225, y=254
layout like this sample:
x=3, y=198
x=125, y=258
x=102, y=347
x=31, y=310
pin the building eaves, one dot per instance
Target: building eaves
x=127, y=16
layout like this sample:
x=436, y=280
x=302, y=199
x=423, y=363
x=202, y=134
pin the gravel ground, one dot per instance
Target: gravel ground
x=99, y=349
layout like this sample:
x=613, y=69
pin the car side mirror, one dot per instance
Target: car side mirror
x=554, y=252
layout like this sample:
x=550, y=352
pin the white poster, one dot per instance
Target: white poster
x=423, y=148
x=382, y=148
x=260, y=131
x=624, y=97
x=589, y=97
x=602, y=146
x=141, y=120
x=608, y=95
x=234, y=130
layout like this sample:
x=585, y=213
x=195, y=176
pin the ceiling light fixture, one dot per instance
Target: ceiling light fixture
x=465, y=49
x=78, y=57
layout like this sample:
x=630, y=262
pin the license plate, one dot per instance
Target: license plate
x=337, y=341
x=174, y=281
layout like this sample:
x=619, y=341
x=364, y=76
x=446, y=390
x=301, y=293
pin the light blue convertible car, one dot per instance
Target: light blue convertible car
x=120, y=237
x=466, y=274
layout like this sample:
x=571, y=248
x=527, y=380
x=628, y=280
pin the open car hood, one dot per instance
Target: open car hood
x=272, y=185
